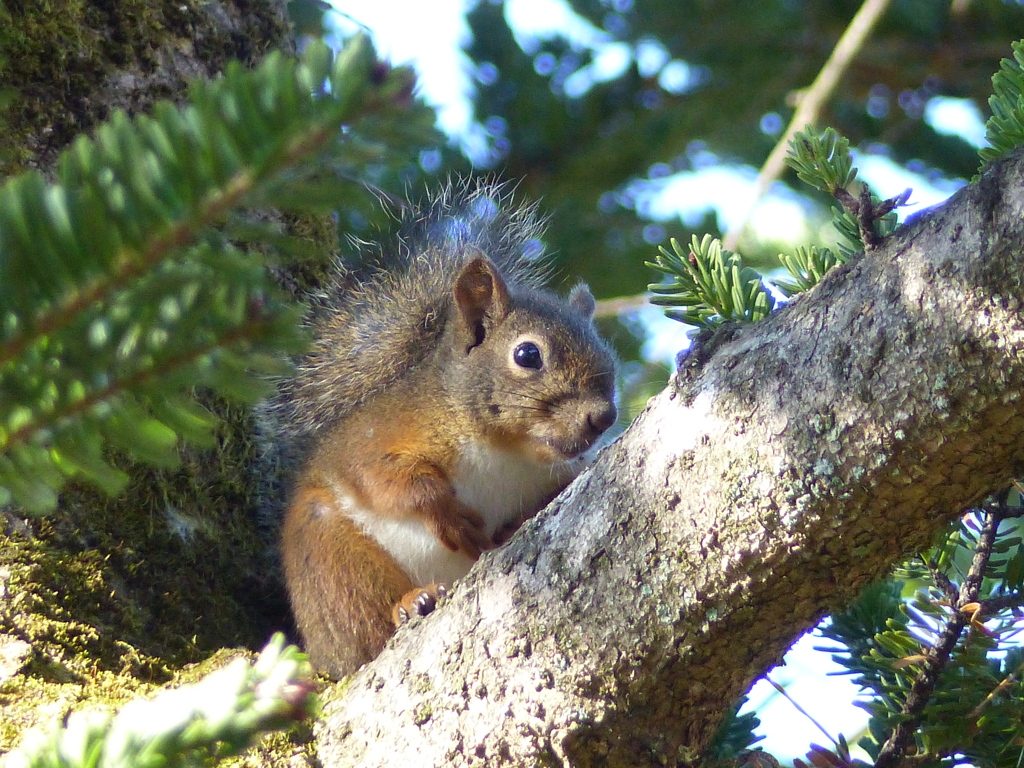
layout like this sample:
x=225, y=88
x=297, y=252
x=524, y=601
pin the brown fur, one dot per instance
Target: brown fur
x=440, y=370
x=345, y=612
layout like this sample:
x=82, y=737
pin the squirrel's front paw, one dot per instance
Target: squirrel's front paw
x=503, y=534
x=418, y=602
x=463, y=532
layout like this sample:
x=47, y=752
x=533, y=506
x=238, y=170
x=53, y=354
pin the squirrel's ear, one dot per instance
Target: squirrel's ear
x=480, y=292
x=582, y=300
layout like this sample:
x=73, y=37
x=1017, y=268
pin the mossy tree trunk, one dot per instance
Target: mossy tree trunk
x=106, y=597
x=762, y=488
x=71, y=63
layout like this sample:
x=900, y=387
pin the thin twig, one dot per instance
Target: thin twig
x=801, y=710
x=893, y=752
x=959, y=7
x=943, y=582
x=994, y=605
x=811, y=102
x=612, y=307
x=807, y=110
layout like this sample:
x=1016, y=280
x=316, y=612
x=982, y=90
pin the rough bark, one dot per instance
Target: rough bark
x=758, y=491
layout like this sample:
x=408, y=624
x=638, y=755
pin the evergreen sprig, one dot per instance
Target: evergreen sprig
x=943, y=668
x=123, y=284
x=824, y=161
x=735, y=735
x=221, y=715
x=1004, y=130
x=807, y=266
x=711, y=283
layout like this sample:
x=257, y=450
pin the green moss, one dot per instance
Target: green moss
x=287, y=749
x=61, y=57
x=117, y=595
x=302, y=274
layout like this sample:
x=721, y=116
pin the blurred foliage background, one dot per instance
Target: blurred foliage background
x=598, y=119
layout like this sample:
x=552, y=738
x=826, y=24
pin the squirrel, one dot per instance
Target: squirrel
x=447, y=398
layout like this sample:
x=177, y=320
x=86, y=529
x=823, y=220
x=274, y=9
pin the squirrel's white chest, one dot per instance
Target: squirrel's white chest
x=498, y=484
x=501, y=484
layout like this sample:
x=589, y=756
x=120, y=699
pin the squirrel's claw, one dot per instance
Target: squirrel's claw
x=418, y=602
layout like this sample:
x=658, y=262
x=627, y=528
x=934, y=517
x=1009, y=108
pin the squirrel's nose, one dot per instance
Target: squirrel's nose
x=599, y=418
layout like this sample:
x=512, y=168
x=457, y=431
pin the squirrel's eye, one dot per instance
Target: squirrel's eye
x=527, y=355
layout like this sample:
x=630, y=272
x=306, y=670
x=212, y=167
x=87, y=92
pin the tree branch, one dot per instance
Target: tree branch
x=949, y=590
x=758, y=491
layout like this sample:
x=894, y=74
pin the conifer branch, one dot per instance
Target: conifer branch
x=993, y=605
x=220, y=716
x=711, y=283
x=136, y=381
x=1004, y=130
x=1004, y=684
x=130, y=265
x=118, y=291
x=823, y=160
x=807, y=266
x=868, y=211
x=938, y=655
x=944, y=583
x=714, y=286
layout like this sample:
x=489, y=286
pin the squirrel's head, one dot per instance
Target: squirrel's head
x=530, y=365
